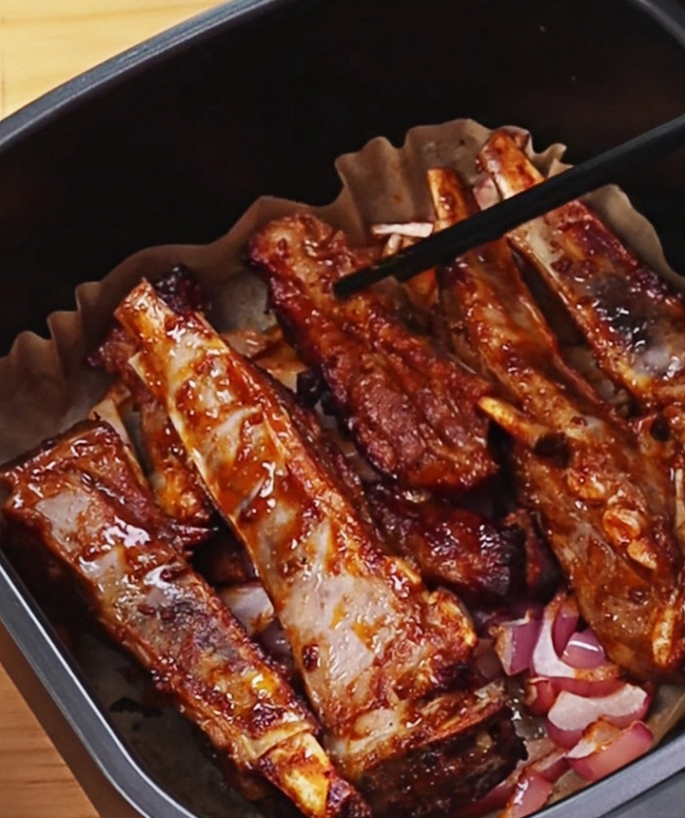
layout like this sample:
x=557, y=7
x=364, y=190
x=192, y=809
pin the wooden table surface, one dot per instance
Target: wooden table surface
x=42, y=44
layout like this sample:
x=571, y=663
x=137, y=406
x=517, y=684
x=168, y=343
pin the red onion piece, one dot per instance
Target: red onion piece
x=540, y=695
x=565, y=623
x=530, y=794
x=515, y=641
x=571, y=715
x=583, y=650
x=544, y=761
x=496, y=799
x=553, y=766
x=564, y=738
x=605, y=748
x=589, y=687
x=546, y=660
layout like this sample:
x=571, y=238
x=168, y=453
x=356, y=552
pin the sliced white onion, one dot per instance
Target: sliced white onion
x=417, y=230
x=605, y=748
x=584, y=651
x=571, y=715
x=515, y=641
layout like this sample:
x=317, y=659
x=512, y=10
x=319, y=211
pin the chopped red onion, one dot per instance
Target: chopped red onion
x=496, y=799
x=515, y=641
x=565, y=623
x=605, y=748
x=553, y=766
x=530, y=794
x=571, y=715
x=546, y=660
x=584, y=651
x=540, y=695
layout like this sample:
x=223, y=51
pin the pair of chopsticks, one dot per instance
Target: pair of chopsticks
x=491, y=224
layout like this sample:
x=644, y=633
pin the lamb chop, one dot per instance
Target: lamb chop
x=81, y=501
x=381, y=658
x=410, y=408
x=632, y=320
x=606, y=509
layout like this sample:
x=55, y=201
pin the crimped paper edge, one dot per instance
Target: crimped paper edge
x=45, y=385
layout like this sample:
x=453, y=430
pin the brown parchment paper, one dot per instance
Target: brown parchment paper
x=45, y=385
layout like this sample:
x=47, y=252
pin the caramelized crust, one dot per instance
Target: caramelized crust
x=374, y=648
x=452, y=546
x=606, y=509
x=174, y=483
x=411, y=409
x=80, y=498
x=633, y=322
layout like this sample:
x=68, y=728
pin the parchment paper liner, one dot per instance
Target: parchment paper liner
x=45, y=386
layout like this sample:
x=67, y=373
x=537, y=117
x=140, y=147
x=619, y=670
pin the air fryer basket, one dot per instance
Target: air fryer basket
x=171, y=143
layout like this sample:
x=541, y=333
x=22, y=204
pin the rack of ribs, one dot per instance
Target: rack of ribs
x=632, y=320
x=410, y=408
x=80, y=500
x=381, y=658
x=174, y=485
x=607, y=510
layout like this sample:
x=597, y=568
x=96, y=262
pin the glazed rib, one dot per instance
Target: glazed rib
x=80, y=498
x=374, y=648
x=174, y=484
x=410, y=408
x=606, y=509
x=632, y=320
x=451, y=546
x=454, y=547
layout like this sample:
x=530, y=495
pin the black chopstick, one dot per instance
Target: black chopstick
x=490, y=224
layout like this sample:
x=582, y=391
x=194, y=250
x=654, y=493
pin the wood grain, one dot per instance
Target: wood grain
x=42, y=44
x=46, y=42
x=34, y=780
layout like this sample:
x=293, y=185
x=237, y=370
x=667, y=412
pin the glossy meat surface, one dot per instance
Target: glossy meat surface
x=632, y=320
x=374, y=648
x=452, y=546
x=79, y=496
x=174, y=483
x=607, y=510
x=411, y=409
